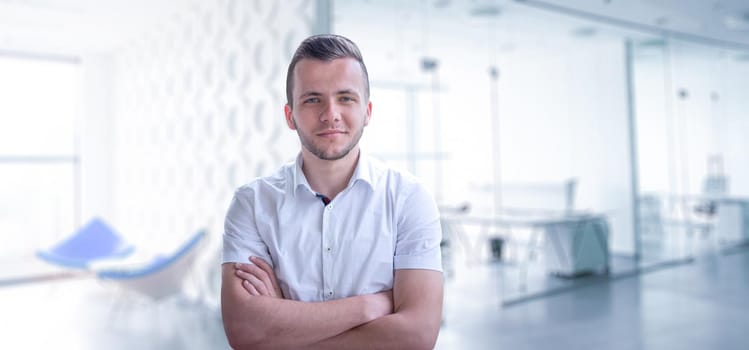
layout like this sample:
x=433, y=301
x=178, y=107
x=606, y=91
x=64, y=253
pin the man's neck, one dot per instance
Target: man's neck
x=329, y=177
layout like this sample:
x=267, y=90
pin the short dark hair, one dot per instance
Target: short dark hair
x=325, y=47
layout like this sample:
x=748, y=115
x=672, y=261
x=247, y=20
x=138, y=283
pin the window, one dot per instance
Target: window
x=40, y=101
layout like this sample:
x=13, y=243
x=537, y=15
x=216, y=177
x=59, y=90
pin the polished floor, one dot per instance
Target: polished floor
x=703, y=304
x=699, y=305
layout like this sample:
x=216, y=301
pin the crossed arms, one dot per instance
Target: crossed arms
x=256, y=315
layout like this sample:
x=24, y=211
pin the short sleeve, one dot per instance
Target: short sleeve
x=241, y=238
x=419, y=232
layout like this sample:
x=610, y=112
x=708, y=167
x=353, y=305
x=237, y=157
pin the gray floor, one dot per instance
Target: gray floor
x=700, y=305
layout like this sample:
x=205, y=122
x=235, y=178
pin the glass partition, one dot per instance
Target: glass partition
x=691, y=107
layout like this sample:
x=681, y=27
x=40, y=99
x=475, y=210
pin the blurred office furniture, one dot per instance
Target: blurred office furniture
x=715, y=183
x=449, y=233
x=732, y=221
x=576, y=245
x=652, y=229
x=160, y=285
x=669, y=225
x=573, y=244
x=93, y=242
x=714, y=186
x=676, y=226
x=730, y=214
x=159, y=277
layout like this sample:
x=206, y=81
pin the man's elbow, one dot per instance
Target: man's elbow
x=242, y=339
x=242, y=335
x=420, y=335
x=239, y=338
x=423, y=340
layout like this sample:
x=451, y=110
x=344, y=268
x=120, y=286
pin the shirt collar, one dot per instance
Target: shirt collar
x=365, y=171
x=298, y=175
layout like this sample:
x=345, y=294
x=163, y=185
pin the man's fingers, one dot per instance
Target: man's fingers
x=257, y=277
x=263, y=265
x=268, y=270
x=252, y=269
x=249, y=287
x=261, y=286
x=263, y=277
x=258, y=284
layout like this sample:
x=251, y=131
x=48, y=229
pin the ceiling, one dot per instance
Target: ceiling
x=403, y=32
x=81, y=26
x=719, y=21
x=715, y=22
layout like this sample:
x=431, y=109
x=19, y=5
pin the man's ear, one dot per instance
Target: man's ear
x=369, y=113
x=289, y=117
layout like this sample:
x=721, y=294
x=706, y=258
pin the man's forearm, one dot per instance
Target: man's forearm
x=256, y=321
x=394, y=331
x=260, y=321
x=415, y=324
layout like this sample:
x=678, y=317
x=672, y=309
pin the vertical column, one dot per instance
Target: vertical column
x=632, y=135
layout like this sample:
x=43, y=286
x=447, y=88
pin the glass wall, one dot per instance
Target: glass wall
x=691, y=102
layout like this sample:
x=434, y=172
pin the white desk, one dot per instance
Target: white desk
x=575, y=244
x=729, y=222
x=732, y=220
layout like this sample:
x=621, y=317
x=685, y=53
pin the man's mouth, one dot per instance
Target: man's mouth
x=329, y=133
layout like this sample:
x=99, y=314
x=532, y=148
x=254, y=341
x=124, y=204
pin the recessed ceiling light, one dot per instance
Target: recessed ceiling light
x=485, y=10
x=441, y=4
x=744, y=57
x=652, y=43
x=584, y=32
x=661, y=21
x=738, y=22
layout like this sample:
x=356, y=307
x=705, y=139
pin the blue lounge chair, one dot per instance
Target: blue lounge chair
x=93, y=242
x=160, y=277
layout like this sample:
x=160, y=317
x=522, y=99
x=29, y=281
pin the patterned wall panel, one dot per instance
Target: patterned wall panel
x=199, y=112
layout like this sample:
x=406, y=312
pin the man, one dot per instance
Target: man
x=344, y=252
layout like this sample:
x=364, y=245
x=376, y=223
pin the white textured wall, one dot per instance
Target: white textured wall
x=199, y=112
x=95, y=139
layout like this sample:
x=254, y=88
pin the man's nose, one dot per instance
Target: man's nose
x=330, y=112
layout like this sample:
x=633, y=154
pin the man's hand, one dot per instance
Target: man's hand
x=258, y=278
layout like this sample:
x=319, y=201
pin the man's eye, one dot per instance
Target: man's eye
x=346, y=99
x=312, y=100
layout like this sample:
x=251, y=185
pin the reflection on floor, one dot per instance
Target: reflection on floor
x=698, y=305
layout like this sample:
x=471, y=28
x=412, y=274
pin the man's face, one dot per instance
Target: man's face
x=329, y=109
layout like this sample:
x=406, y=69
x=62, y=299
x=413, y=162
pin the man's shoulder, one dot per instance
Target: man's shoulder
x=391, y=176
x=275, y=182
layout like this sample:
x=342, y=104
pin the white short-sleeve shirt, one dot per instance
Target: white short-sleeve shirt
x=384, y=220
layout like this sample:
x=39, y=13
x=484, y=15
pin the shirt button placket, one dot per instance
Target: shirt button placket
x=326, y=256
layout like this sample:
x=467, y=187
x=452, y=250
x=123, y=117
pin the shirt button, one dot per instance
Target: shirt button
x=330, y=293
x=329, y=249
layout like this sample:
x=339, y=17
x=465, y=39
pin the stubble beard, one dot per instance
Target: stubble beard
x=322, y=154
